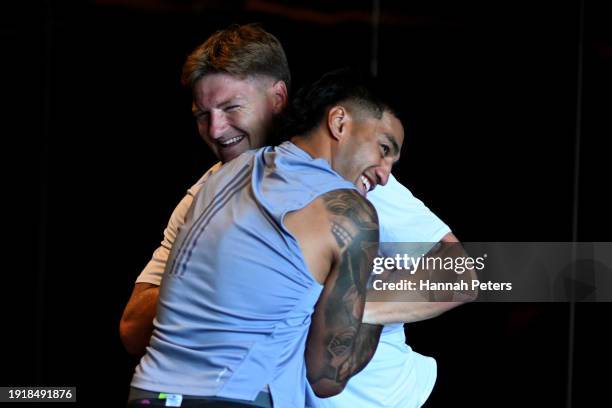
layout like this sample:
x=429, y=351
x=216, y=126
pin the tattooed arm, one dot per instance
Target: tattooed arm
x=338, y=344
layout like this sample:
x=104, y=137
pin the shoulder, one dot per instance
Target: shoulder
x=348, y=203
x=352, y=220
x=333, y=224
x=193, y=190
x=341, y=213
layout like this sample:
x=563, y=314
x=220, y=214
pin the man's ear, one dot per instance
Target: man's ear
x=280, y=96
x=338, y=119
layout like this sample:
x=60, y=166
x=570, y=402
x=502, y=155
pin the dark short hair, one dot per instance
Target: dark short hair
x=311, y=103
x=239, y=50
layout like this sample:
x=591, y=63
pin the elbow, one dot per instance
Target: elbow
x=327, y=393
x=136, y=325
x=125, y=329
x=327, y=389
x=463, y=298
x=472, y=295
x=128, y=335
x=324, y=386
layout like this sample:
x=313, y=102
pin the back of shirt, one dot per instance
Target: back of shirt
x=236, y=298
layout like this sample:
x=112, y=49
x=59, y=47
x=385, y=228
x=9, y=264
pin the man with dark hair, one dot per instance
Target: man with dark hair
x=272, y=264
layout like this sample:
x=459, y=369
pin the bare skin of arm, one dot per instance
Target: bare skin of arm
x=338, y=235
x=136, y=324
x=411, y=311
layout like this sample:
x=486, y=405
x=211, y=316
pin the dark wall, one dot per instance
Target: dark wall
x=495, y=96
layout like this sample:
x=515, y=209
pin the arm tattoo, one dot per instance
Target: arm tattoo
x=348, y=344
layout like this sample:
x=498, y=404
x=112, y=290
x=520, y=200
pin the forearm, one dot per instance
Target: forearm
x=408, y=306
x=136, y=324
x=389, y=306
x=366, y=343
x=339, y=345
x=404, y=312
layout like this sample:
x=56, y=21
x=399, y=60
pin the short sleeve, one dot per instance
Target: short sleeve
x=153, y=271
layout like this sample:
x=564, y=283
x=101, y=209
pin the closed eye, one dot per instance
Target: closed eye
x=201, y=116
x=385, y=150
x=232, y=108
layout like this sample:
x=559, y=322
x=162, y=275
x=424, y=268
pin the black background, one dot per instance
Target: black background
x=507, y=111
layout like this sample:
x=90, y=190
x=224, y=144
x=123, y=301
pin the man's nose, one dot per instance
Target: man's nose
x=218, y=124
x=383, y=171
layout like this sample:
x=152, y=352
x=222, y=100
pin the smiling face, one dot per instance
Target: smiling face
x=365, y=157
x=233, y=114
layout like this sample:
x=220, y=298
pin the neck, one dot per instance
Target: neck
x=315, y=144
